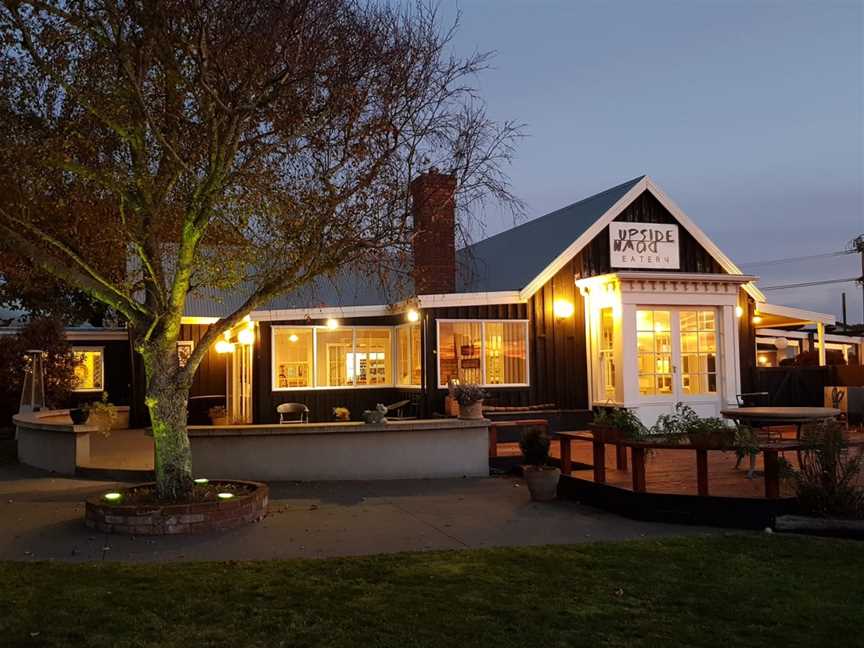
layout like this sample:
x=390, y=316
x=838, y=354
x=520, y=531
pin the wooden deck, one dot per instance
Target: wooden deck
x=673, y=471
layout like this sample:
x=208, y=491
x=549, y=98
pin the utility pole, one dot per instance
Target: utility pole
x=857, y=245
x=843, y=302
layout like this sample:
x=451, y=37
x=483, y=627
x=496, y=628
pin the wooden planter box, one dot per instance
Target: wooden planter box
x=719, y=440
x=606, y=433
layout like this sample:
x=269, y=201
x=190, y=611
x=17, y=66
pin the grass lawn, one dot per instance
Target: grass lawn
x=720, y=591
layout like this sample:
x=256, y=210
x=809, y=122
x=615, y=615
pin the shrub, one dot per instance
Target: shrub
x=622, y=419
x=469, y=393
x=827, y=480
x=535, y=446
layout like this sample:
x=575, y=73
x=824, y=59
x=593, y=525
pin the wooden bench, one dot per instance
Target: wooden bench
x=494, y=426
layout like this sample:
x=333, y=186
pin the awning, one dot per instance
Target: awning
x=774, y=315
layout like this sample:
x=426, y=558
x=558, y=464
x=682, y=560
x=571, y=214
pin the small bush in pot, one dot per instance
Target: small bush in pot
x=684, y=425
x=470, y=398
x=616, y=424
x=79, y=415
x=103, y=414
x=542, y=479
x=218, y=415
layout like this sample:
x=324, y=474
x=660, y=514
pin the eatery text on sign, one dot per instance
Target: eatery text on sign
x=643, y=245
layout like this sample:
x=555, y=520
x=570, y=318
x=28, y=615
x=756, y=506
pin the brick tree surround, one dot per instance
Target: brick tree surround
x=171, y=519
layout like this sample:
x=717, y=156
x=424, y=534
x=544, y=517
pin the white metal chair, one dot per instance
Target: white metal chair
x=287, y=411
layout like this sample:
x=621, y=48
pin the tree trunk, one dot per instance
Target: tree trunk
x=167, y=397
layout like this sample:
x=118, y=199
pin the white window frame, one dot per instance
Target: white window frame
x=94, y=349
x=483, y=323
x=396, y=330
x=314, y=368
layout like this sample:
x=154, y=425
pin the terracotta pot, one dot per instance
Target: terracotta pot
x=472, y=411
x=542, y=482
x=606, y=433
x=219, y=421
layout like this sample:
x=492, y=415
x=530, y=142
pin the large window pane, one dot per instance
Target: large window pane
x=459, y=348
x=699, y=352
x=607, y=353
x=335, y=354
x=654, y=349
x=408, y=355
x=292, y=353
x=372, y=364
x=505, y=353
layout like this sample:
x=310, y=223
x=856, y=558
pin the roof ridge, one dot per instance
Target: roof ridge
x=632, y=182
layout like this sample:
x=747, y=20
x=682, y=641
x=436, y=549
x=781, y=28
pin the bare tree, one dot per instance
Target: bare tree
x=150, y=151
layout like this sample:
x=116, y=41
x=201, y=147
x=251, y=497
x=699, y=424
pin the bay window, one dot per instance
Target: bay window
x=487, y=352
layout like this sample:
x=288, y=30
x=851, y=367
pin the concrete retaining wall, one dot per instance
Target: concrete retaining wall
x=435, y=448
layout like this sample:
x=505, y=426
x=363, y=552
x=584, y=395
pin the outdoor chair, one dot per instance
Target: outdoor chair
x=293, y=413
x=398, y=409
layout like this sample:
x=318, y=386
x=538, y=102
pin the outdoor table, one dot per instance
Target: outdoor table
x=760, y=417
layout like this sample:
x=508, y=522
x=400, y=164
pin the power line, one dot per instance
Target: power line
x=810, y=283
x=798, y=258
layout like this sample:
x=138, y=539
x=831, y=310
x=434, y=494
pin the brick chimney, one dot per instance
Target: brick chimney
x=434, y=240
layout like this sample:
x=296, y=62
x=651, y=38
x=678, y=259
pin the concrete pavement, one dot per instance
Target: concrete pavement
x=41, y=519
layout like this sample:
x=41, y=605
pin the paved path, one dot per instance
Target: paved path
x=42, y=519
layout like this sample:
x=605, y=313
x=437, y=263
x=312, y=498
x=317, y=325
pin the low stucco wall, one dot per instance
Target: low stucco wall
x=49, y=440
x=436, y=448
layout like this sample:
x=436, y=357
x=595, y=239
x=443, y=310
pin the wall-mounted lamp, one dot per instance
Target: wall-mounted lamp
x=562, y=308
x=332, y=323
x=757, y=318
x=739, y=312
x=246, y=336
x=412, y=315
x=224, y=347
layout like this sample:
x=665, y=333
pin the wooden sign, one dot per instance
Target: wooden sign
x=644, y=245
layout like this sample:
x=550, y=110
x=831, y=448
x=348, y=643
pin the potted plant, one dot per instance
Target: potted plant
x=79, y=415
x=617, y=424
x=542, y=479
x=341, y=413
x=103, y=414
x=218, y=415
x=470, y=398
x=683, y=424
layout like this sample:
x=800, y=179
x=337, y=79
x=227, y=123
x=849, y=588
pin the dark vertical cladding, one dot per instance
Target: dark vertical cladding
x=210, y=377
x=434, y=239
x=747, y=341
x=559, y=370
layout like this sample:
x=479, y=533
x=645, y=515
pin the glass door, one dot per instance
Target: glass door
x=239, y=370
x=677, y=353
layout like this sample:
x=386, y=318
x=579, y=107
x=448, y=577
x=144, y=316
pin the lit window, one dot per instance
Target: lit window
x=408, y=350
x=654, y=349
x=89, y=369
x=698, y=352
x=292, y=352
x=606, y=351
x=335, y=366
x=485, y=352
x=305, y=357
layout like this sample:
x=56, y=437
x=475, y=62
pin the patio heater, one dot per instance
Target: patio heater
x=33, y=391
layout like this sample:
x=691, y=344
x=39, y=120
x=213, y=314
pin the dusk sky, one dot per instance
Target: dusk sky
x=748, y=114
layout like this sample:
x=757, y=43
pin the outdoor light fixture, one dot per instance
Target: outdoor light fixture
x=757, y=318
x=246, y=337
x=224, y=347
x=412, y=315
x=112, y=497
x=225, y=495
x=332, y=323
x=201, y=480
x=739, y=311
x=293, y=337
x=562, y=308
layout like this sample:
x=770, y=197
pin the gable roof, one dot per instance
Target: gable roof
x=526, y=257
x=512, y=259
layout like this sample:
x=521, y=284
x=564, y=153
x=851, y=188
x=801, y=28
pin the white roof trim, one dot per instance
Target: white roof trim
x=280, y=314
x=797, y=314
x=803, y=335
x=197, y=319
x=645, y=184
x=470, y=299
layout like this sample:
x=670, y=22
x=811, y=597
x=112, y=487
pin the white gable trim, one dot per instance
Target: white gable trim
x=645, y=184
